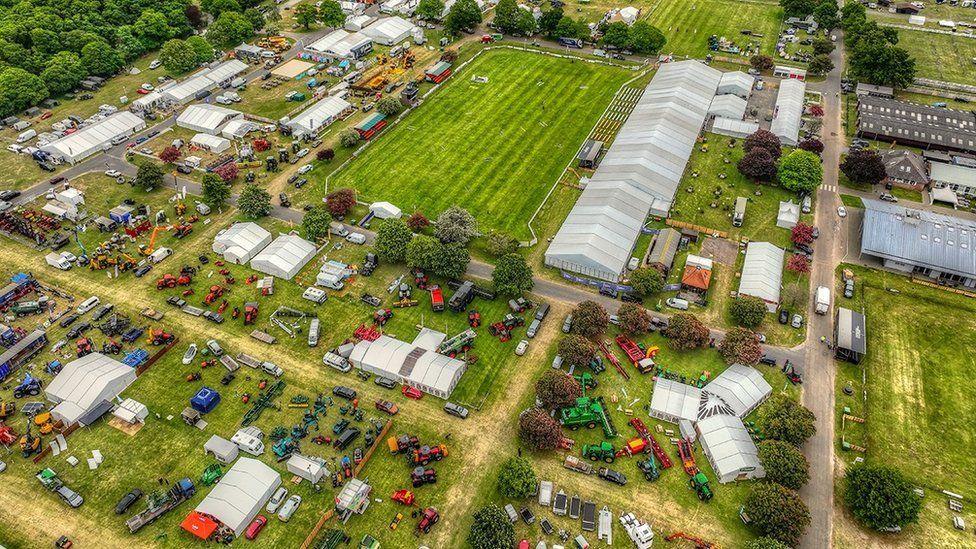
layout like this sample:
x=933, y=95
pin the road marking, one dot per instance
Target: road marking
x=830, y=188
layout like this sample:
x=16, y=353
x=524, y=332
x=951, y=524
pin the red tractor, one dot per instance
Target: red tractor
x=474, y=319
x=111, y=347
x=250, y=312
x=425, y=454
x=404, y=497
x=421, y=476
x=160, y=337
x=168, y=281
x=427, y=520
x=8, y=437
x=403, y=443
x=83, y=347
x=216, y=291
x=179, y=231
x=382, y=316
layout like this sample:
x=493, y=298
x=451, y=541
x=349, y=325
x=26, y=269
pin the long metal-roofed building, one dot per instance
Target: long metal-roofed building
x=789, y=111
x=639, y=175
x=417, y=364
x=762, y=273
x=932, y=245
x=850, y=335
x=318, y=116
x=94, y=138
x=917, y=125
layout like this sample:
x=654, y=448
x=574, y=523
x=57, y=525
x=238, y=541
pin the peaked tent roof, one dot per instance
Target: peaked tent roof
x=675, y=400
x=789, y=109
x=241, y=493
x=319, y=115
x=205, y=117
x=728, y=445
x=91, y=139
x=741, y=387
x=84, y=384
x=284, y=257
x=762, y=272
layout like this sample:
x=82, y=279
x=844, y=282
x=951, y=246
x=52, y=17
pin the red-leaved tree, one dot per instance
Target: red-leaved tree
x=764, y=139
x=340, y=201
x=798, y=263
x=813, y=145
x=758, y=165
x=740, y=345
x=538, y=430
x=417, y=222
x=228, y=172
x=801, y=233
x=169, y=155
x=325, y=155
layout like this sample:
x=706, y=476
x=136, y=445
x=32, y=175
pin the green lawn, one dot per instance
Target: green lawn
x=907, y=194
x=851, y=201
x=918, y=393
x=940, y=56
x=687, y=24
x=494, y=148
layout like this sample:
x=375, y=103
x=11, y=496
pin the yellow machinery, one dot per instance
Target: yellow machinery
x=148, y=249
x=44, y=422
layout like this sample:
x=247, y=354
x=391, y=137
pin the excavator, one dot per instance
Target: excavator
x=29, y=444
x=179, y=230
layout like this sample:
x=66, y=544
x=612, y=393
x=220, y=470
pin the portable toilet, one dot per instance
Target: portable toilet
x=205, y=400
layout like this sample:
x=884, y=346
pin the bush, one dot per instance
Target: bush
x=417, y=222
x=557, y=389
x=881, y=497
x=748, y=311
x=765, y=543
x=500, y=243
x=349, y=138
x=590, y=319
x=784, y=464
x=864, y=167
x=777, y=512
x=800, y=171
x=801, y=233
x=456, y=224
x=646, y=281
x=517, y=479
x=491, y=529
x=325, y=155
x=812, y=145
x=538, y=430
x=762, y=62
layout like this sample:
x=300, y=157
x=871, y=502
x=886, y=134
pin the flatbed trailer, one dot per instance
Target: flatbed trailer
x=574, y=507
x=589, y=516
x=607, y=352
x=162, y=504
x=645, y=433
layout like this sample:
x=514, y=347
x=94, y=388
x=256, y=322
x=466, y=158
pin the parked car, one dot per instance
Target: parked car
x=797, y=321
x=522, y=347
x=387, y=406
x=215, y=348
x=385, y=382
x=610, y=475
x=411, y=392
x=344, y=392
x=888, y=197
x=841, y=211
x=305, y=169
x=275, y=502
x=113, y=173
x=784, y=316
x=456, y=410
x=805, y=248
x=568, y=323
x=127, y=500
x=68, y=320
x=102, y=311
x=255, y=527
x=289, y=508
x=816, y=232
x=78, y=330
x=141, y=271
x=302, y=153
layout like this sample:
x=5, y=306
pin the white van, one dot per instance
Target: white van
x=338, y=229
x=26, y=136
x=313, y=332
x=160, y=255
x=356, y=238
x=88, y=305
x=677, y=303
x=249, y=439
x=337, y=362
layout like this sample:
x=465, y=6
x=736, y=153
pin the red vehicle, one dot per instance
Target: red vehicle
x=255, y=527
x=46, y=115
x=141, y=91
x=387, y=406
x=404, y=497
x=412, y=392
x=524, y=544
x=436, y=299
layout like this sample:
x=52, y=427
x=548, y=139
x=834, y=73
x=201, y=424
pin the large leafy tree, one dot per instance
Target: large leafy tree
x=306, y=15
x=452, y=260
x=539, y=430
x=590, y=319
x=464, y=14
x=757, y=165
x=801, y=233
x=783, y=418
x=740, y=346
x=686, y=332
x=556, y=389
x=500, y=243
x=152, y=29
x=820, y=64
x=216, y=191
x=178, y=56
x=801, y=171
x=517, y=479
x=777, y=512
x=315, y=223
x=634, y=319
x=798, y=8
x=765, y=543
x=763, y=139
x=392, y=239
x=512, y=275
x=491, y=529
x=784, y=464
x=430, y=10
x=646, y=281
x=149, y=175
x=576, y=350
x=616, y=35
x=254, y=201
x=100, y=59
x=63, y=73
x=455, y=224
x=422, y=252
x=645, y=39
x=762, y=62
x=548, y=22
x=341, y=201
x=881, y=497
x=748, y=311
x=826, y=15
x=506, y=16
x=230, y=29
x=202, y=49
x=389, y=105
x=864, y=166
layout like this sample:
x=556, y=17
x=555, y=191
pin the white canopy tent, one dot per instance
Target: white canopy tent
x=788, y=215
x=95, y=137
x=736, y=83
x=389, y=31
x=674, y=401
x=206, y=118
x=742, y=388
x=762, y=273
x=84, y=386
x=729, y=448
x=212, y=143
x=241, y=493
x=310, y=468
x=385, y=210
x=238, y=128
x=789, y=111
x=284, y=257
x=320, y=115
x=417, y=364
x=341, y=44
x=734, y=127
x=240, y=242
x=728, y=106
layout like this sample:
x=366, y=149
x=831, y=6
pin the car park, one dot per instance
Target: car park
x=769, y=361
x=78, y=329
x=302, y=153
x=805, y=248
x=815, y=233
x=610, y=475
x=102, y=311
x=542, y=312
x=9, y=195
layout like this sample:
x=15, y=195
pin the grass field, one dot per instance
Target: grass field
x=940, y=56
x=918, y=393
x=495, y=148
x=687, y=24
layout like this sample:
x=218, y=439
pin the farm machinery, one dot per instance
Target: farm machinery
x=403, y=497
x=642, y=359
x=596, y=452
x=503, y=329
x=215, y=293
x=425, y=454
x=588, y=412
x=644, y=433
x=160, y=503
x=250, y=312
x=160, y=337
x=30, y=385
x=698, y=481
x=211, y=474
x=649, y=468
x=421, y=476
x=458, y=344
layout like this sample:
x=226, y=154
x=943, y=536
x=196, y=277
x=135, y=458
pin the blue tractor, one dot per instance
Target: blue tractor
x=29, y=386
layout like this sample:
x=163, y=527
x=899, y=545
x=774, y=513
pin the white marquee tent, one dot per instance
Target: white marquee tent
x=241, y=241
x=673, y=401
x=639, y=174
x=762, y=273
x=212, y=143
x=385, y=210
x=729, y=448
x=284, y=257
x=241, y=493
x=206, y=118
x=238, y=128
x=318, y=116
x=728, y=106
x=742, y=388
x=94, y=138
x=389, y=31
x=736, y=83
x=734, y=127
x=417, y=364
x=86, y=388
x=789, y=110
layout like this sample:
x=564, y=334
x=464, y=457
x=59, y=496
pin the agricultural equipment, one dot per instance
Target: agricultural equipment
x=216, y=291
x=382, y=316
x=160, y=337
x=791, y=374
x=649, y=468
x=460, y=343
x=265, y=400
x=699, y=483
x=586, y=380
x=644, y=433
x=211, y=474
x=24, y=308
x=474, y=318
x=685, y=451
x=420, y=476
x=637, y=356
x=285, y=447
x=44, y=423
x=29, y=444
x=574, y=463
x=30, y=385
x=7, y=435
x=402, y=443
x=503, y=329
x=160, y=503
x=699, y=543
x=168, y=281
x=250, y=312
x=111, y=347
x=7, y=409
x=605, y=349
x=50, y=480
x=427, y=520
x=404, y=497
x=588, y=412
x=603, y=451
x=425, y=454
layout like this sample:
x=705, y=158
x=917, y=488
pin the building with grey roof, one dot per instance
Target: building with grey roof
x=728, y=106
x=762, y=273
x=741, y=387
x=961, y=179
x=736, y=83
x=905, y=168
x=927, y=244
x=663, y=249
x=850, y=335
x=729, y=448
x=789, y=111
x=639, y=174
x=916, y=125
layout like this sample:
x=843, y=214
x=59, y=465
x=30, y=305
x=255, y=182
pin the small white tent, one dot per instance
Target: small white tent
x=385, y=210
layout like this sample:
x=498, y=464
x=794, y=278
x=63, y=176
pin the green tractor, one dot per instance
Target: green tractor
x=650, y=469
x=587, y=412
x=586, y=380
x=211, y=474
x=603, y=451
x=699, y=483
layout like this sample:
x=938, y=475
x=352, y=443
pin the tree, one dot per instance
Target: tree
x=254, y=201
x=464, y=14
x=748, y=311
x=825, y=14
x=783, y=418
x=230, y=29
x=417, y=222
x=646, y=39
x=740, y=346
x=306, y=15
x=800, y=171
x=349, y=138
x=526, y=24
x=517, y=479
x=590, y=319
x=512, y=275
x=216, y=191
x=201, y=48
x=149, y=176
x=548, y=22
x=634, y=319
x=389, y=105
x=765, y=543
x=801, y=233
x=216, y=7
x=325, y=155
x=455, y=224
x=194, y=15
x=763, y=139
x=501, y=243
x=646, y=281
x=881, y=497
x=452, y=260
x=557, y=389
x=777, y=512
x=822, y=46
x=340, y=201
x=63, y=73
x=491, y=529
x=100, y=59
x=256, y=18
x=538, y=430
x=228, y=172
x=784, y=464
x=506, y=16
x=864, y=167
x=882, y=63
x=762, y=62
x=757, y=165
x=169, y=155
x=616, y=35
x=178, y=57
x=422, y=252
x=152, y=29
x=315, y=223
x=576, y=350
x=820, y=64
x=798, y=263
x=798, y=8
x=567, y=28
x=685, y=332
x=331, y=14
x=430, y=10
x=813, y=145
x=392, y=239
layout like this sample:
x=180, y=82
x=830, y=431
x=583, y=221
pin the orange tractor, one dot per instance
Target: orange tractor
x=216, y=291
x=160, y=337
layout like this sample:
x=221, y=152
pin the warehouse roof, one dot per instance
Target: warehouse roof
x=741, y=387
x=789, y=110
x=339, y=43
x=207, y=118
x=638, y=175
x=734, y=127
x=388, y=30
x=240, y=494
x=413, y=362
x=851, y=331
x=926, y=239
x=674, y=399
x=241, y=241
x=906, y=121
x=85, y=384
x=738, y=80
x=953, y=174
x=762, y=272
x=319, y=115
x=728, y=106
x=93, y=138
x=728, y=444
